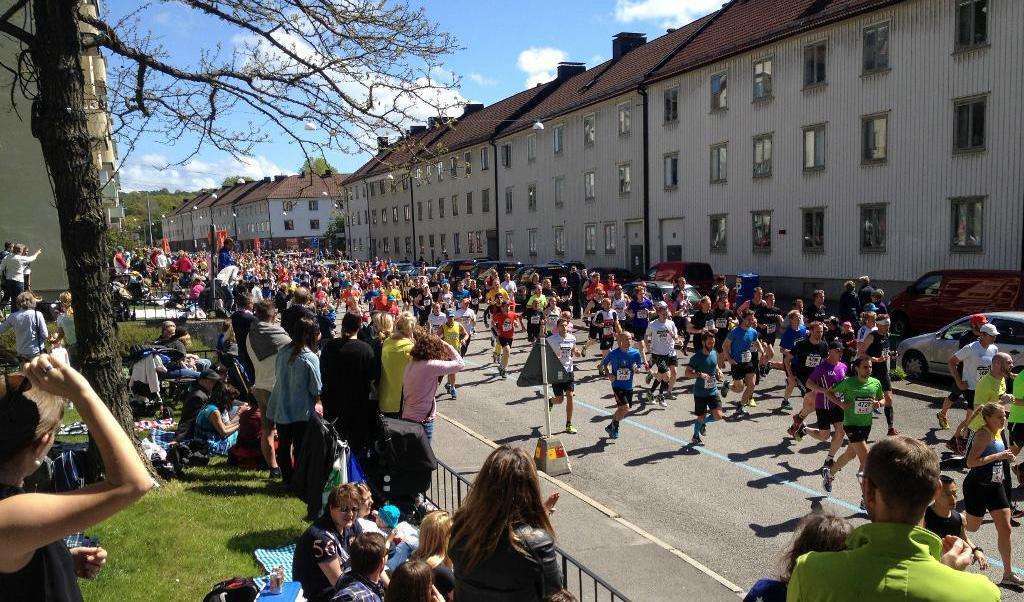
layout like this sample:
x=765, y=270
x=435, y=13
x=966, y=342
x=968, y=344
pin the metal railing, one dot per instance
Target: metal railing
x=447, y=489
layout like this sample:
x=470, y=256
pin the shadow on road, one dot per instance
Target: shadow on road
x=663, y=455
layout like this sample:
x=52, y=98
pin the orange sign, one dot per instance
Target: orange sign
x=222, y=235
x=165, y=245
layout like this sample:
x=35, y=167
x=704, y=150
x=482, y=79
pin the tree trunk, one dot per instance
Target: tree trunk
x=60, y=123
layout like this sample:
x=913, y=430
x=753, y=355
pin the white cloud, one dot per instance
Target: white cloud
x=540, y=64
x=597, y=59
x=152, y=172
x=482, y=80
x=669, y=13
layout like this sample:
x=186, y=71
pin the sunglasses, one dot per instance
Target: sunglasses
x=352, y=509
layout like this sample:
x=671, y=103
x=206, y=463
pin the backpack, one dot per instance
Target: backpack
x=235, y=589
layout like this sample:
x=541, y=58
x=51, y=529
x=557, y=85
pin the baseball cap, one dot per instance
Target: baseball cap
x=450, y=313
x=835, y=345
x=978, y=319
x=870, y=307
x=390, y=515
x=990, y=329
x=882, y=320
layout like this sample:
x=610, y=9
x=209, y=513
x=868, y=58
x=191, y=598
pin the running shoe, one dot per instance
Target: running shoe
x=943, y=422
x=892, y=432
x=610, y=429
x=570, y=429
x=1016, y=512
x=724, y=388
x=660, y=399
x=826, y=478
x=752, y=403
x=670, y=395
x=501, y=372
x=649, y=377
x=1012, y=580
x=455, y=394
x=738, y=413
x=792, y=430
x=786, y=406
x=696, y=440
x=878, y=411
x=800, y=433
x=704, y=429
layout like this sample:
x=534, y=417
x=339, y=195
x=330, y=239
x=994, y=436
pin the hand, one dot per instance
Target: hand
x=1006, y=455
x=88, y=562
x=318, y=408
x=49, y=374
x=955, y=553
x=982, y=561
x=549, y=504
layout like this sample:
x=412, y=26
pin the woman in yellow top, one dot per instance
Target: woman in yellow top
x=394, y=356
x=455, y=335
x=991, y=389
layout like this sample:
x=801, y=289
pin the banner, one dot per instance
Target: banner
x=222, y=235
x=256, y=245
x=165, y=245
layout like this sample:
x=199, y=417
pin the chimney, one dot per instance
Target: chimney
x=471, y=108
x=382, y=144
x=567, y=70
x=280, y=178
x=266, y=179
x=433, y=122
x=327, y=173
x=417, y=129
x=624, y=42
x=670, y=30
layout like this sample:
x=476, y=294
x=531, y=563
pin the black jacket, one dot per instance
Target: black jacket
x=349, y=372
x=509, y=576
x=320, y=447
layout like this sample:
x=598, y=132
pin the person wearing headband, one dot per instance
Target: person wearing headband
x=35, y=565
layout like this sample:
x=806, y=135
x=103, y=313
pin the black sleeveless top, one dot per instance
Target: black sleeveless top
x=48, y=577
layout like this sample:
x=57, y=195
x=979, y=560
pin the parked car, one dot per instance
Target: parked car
x=929, y=353
x=942, y=296
x=453, y=269
x=622, y=275
x=501, y=266
x=660, y=290
x=523, y=276
x=696, y=273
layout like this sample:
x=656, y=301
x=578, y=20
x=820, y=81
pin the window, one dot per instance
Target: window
x=874, y=139
x=508, y=199
x=876, y=48
x=814, y=229
x=408, y=244
x=559, y=191
x=589, y=188
x=406, y=210
x=531, y=148
x=440, y=171
x=531, y=236
x=589, y=129
x=625, y=119
x=373, y=190
x=556, y=139
x=384, y=215
x=387, y=245
x=970, y=124
x=508, y=244
x=313, y=205
x=430, y=239
x=814, y=64
x=289, y=224
x=967, y=224
x=590, y=238
x=506, y=155
x=440, y=208
x=444, y=243
x=971, y=23
x=422, y=247
x=609, y=238
x=469, y=203
x=672, y=104
x=453, y=167
x=430, y=209
x=559, y=240
x=485, y=200
x=719, y=163
x=671, y=163
x=763, y=156
x=625, y=179
x=381, y=184
x=814, y=147
x=419, y=210
x=531, y=197
x=872, y=228
x=763, y=79
x=761, y=231
x=455, y=205
x=405, y=182
x=485, y=159
x=719, y=233
x=479, y=242
x=719, y=89
x=394, y=215
x=467, y=163
x=457, y=243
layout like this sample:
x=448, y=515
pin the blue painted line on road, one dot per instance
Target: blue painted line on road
x=753, y=469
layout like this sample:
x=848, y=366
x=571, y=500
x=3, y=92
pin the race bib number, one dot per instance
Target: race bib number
x=745, y=357
x=997, y=473
x=509, y=326
x=642, y=314
x=721, y=323
x=983, y=370
x=770, y=328
x=665, y=335
x=427, y=301
x=709, y=380
x=534, y=319
x=623, y=374
x=812, y=361
x=608, y=330
x=863, y=405
x=566, y=351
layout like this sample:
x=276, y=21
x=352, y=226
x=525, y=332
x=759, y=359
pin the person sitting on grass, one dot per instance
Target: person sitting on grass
x=35, y=565
x=364, y=583
x=217, y=422
x=323, y=551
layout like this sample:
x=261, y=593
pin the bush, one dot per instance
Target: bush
x=128, y=335
x=897, y=374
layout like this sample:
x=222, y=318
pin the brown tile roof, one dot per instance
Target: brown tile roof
x=309, y=186
x=746, y=24
x=209, y=200
x=258, y=191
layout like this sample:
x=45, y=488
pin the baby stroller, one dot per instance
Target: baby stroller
x=147, y=362
x=400, y=466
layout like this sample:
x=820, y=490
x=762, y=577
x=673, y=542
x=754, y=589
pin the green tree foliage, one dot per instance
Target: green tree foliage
x=231, y=180
x=320, y=166
x=161, y=202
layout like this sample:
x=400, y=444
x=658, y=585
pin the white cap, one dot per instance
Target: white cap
x=990, y=329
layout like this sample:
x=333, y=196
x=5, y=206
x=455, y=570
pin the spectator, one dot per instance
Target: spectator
x=849, y=303
x=266, y=338
x=865, y=290
x=66, y=327
x=34, y=562
x=430, y=359
x=197, y=398
x=363, y=583
x=296, y=393
x=394, y=356
x=435, y=534
x=189, y=366
x=242, y=321
x=412, y=582
x=322, y=553
x=817, y=532
x=349, y=371
x=226, y=342
x=12, y=269
x=325, y=319
x=502, y=544
x=120, y=263
x=298, y=309
x=892, y=557
x=214, y=422
x=224, y=258
x=30, y=332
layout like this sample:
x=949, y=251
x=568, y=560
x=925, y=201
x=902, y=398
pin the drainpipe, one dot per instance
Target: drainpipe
x=497, y=231
x=412, y=217
x=647, y=185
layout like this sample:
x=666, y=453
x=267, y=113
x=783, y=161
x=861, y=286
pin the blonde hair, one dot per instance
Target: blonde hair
x=65, y=300
x=435, y=531
x=404, y=326
x=384, y=324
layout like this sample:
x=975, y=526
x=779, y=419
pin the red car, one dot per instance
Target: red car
x=942, y=296
x=698, y=274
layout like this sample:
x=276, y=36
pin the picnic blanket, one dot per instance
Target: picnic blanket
x=272, y=558
x=166, y=424
x=161, y=437
x=164, y=438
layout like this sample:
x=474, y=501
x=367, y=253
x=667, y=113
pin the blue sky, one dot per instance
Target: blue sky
x=506, y=47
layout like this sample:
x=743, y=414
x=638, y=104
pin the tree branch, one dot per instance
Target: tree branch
x=17, y=33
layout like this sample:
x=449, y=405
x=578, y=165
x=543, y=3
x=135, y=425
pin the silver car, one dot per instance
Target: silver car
x=929, y=353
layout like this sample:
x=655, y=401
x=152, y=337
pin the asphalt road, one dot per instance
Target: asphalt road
x=733, y=503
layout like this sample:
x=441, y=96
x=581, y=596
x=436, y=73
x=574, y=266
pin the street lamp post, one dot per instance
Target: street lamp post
x=149, y=220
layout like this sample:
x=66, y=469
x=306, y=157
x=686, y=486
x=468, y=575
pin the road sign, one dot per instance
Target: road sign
x=530, y=375
x=314, y=243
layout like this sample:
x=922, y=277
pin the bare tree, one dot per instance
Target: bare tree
x=326, y=74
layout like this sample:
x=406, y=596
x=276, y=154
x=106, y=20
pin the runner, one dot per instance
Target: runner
x=679, y=306
x=437, y=318
x=830, y=372
x=458, y=337
x=743, y=351
x=977, y=361
x=700, y=322
x=620, y=364
x=639, y=310
x=564, y=345
x=606, y=322
x=857, y=395
x=703, y=366
x=595, y=304
x=466, y=316
x=534, y=313
x=722, y=318
x=955, y=393
x=806, y=355
x=662, y=335
x=503, y=325
x=769, y=321
x=794, y=332
x=876, y=346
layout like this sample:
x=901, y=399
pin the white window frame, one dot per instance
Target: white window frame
x=485, y=158
x=720, y=100
x=467, y=163
x=763, y=155
x=509, y=199
x=610, y=237
x=965, y=245
x=670, y=106
x=558, y=191
x=811, y=152
x=590, y=238
x=559, y=236
x=875, y=41
x=757, y=230
x=762, y=77
x=967, y=9
x=624, y=113
x=670, y=170
x=874, y=144
x=531, y=148
x=531, y=196
x=469, y=203
x=558, y=139
x=871, y=226
x=531, y=241
x=718, y=234
x=964, y=107
x=509, y=243
x=815, y=64
x=589, y=129
x=506, y=155
x=589, y=185
x=808, y=243
x=455, y=205
x=719, y=163
x=625, y=171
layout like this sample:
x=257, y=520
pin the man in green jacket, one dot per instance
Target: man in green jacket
x=893, y=558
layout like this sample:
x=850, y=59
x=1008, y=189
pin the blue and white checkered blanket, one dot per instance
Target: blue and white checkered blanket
x=277, y=557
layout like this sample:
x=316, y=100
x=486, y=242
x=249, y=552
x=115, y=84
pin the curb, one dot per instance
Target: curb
x=739, y=591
